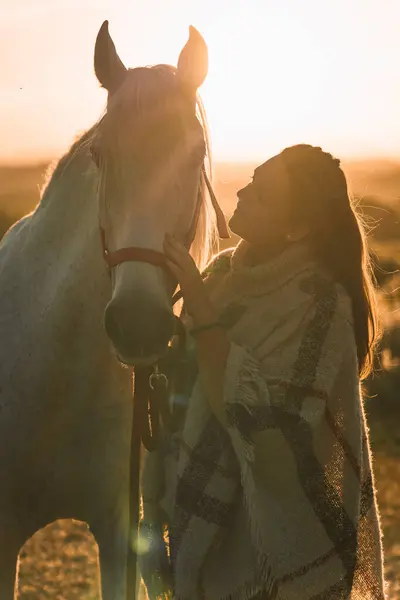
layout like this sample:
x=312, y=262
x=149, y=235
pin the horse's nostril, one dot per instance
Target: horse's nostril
x=111, y=324
x=138, y=332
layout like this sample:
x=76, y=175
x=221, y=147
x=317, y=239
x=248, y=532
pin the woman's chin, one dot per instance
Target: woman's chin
x=241, y=228
x=234, y=224
x=237, y=226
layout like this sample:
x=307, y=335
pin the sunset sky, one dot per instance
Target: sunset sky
x=325, y=72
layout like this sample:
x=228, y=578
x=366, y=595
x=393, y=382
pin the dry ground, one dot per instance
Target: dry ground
x=60, y=562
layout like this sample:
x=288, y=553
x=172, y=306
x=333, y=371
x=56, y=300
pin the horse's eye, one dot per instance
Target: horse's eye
x=94, y=151
x=197, y=154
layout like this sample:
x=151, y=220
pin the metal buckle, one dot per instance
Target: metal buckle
x=156, y=377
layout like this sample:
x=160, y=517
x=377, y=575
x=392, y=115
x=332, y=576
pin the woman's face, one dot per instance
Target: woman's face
x=262, y=213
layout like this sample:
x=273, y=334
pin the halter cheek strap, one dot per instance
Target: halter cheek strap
x=222, y=227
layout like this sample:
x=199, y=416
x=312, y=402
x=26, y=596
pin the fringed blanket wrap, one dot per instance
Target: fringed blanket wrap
x=281, y=504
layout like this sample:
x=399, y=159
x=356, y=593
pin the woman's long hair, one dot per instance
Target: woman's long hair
x=321, y=200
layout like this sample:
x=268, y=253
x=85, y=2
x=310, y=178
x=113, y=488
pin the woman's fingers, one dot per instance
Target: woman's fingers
x=170, y=240
x=176, y=252
x=177, y=260
x=174, y=245
x=169, y=247
x=174, y=268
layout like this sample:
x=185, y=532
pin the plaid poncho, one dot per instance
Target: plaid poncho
x=282, y=502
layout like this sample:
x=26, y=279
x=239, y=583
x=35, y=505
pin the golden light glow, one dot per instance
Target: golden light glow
x=280, y=72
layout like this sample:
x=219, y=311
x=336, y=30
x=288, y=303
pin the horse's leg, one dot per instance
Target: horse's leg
x=8, y=571
x=10, y=545
x=111, y=537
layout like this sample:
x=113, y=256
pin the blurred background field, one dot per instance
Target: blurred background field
x=60, y=561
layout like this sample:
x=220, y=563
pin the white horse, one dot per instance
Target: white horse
x=65, y=398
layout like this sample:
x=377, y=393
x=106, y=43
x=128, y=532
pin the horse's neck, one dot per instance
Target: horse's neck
x=52, y=314
x=68, y=207
x=57, y=253
x=68, y=226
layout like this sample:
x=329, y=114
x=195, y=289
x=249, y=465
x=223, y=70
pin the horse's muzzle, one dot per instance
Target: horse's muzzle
x=138, y=334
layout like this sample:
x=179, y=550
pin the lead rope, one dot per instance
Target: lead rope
x=150, y=404
x=150, y=398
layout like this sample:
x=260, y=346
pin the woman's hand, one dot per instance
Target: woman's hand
x=182, y=265
x=212, y=345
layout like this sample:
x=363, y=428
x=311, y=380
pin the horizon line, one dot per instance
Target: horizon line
x=46, y=161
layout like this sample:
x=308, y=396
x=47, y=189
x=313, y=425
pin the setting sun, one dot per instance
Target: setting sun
x=258, y=61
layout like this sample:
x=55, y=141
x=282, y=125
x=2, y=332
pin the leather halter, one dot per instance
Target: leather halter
x=133, y=253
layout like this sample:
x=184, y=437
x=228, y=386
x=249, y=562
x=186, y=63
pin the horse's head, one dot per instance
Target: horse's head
x=150, y=148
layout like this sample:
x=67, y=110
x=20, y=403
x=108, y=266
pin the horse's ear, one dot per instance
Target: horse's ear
x=193, y=60
x=109, y=68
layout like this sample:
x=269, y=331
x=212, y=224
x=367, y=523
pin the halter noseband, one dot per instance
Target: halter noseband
x=133, y=253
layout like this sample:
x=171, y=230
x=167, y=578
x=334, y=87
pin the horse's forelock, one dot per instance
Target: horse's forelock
x=143, y=87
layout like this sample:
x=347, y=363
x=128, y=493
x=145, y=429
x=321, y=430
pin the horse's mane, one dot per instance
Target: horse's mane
x=205, y=242
x=78, y=157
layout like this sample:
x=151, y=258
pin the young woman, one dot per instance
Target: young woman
x=266, y=489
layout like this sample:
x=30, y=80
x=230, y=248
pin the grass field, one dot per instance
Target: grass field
x=60, y=562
